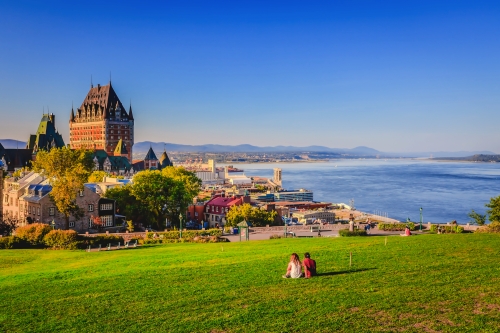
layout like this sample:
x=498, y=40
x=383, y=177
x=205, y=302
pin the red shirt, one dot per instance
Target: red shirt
x=309, y=267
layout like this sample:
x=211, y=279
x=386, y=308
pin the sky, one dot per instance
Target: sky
x=397, y=76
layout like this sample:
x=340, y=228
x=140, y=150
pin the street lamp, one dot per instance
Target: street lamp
x=421, y=220
x=53, y=223
x=180, y=224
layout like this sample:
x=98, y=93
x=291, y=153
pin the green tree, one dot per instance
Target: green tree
x=97, y=176
x=67, y=171
x=494, y=209
x=256, y=216
x=153, y=190
x=185, y=186
x=479, y=219
x=127, y=204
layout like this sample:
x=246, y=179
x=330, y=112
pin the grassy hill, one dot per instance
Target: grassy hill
x=426, y=283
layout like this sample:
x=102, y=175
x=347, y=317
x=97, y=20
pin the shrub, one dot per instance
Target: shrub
x=188, y=234
x=356, y=232
x=275, y=236
x=493, y=227
x=447, y=229
x=61, y=239
x=396, y=226
x=33, y=233
x=6, y=242
x=102, y=240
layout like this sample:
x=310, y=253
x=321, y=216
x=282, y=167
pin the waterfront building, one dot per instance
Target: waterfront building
x=101, y=122
x=311, y=215
x=300, y=195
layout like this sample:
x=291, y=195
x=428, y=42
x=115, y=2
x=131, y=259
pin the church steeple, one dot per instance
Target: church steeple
x=72, y=116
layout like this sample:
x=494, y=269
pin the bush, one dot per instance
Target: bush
x=61, y=239
x=396, y=226
x=188, y=234
x=447, y=229
x=197, y=239
x=6, y=242
x=493, y=227
x=102, y=240
x=356, y=232
x=33, y=233
x=275, y=236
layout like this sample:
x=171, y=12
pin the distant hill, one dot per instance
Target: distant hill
x=141, y=147
x=9, y=143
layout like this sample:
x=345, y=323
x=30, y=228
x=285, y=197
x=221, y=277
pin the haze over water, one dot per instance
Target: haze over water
x=445, y=190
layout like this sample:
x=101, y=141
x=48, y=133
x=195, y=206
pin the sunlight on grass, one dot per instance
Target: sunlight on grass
x=425, y=283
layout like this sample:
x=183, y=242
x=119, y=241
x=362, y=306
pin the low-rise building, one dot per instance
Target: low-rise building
x=300, y=195
x=217, y=208
x=312, y=215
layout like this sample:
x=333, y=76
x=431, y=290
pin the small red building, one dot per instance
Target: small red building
x=216, y=209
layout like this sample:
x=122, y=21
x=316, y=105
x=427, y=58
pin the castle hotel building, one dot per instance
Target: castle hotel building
x=102, y=122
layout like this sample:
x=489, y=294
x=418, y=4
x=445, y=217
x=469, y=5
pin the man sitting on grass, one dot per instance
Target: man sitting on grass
x=309, y=266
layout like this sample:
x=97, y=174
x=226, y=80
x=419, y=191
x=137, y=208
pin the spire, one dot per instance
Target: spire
x=91, y=84
x=130, y=115
x=72, y=116
x=109, y=77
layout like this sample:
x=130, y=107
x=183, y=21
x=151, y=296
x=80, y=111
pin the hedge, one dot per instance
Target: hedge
x=33, y=233
x=188, y=234
x=61, y=239
x=356, y=232
x=396, y=226
x=197, y=239
x=447, y=229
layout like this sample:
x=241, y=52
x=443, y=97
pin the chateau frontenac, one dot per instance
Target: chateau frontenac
x=102, y=123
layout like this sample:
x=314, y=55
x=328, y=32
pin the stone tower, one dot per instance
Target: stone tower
x=277, y=176
x=102, y=122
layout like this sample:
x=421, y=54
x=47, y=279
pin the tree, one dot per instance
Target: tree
x=185, y=187
x=97, y=176
x=477, y=218
x=153, y=190
x=7, y=225
x=494, y=209
x=127, y=204
x=256, y=216
x=67, y=171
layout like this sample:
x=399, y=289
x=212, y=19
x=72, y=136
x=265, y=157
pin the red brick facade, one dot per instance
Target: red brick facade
x=101, y=122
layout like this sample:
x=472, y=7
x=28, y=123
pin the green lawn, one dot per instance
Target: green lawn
x=426, y=283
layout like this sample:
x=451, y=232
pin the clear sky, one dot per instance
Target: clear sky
x=395, y=76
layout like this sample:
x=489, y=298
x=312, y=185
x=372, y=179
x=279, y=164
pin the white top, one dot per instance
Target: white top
x=296, y=270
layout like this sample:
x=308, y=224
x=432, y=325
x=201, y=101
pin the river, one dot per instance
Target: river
x=396, y=188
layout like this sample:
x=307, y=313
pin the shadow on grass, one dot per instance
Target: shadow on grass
x=345, y=272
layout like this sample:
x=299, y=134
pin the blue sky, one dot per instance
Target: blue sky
x=395, y=76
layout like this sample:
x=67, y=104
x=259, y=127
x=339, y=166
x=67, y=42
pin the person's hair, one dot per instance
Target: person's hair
x=295, y=258
x=307, y=255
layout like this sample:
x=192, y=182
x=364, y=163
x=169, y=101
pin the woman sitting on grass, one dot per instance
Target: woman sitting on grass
x=294, y=269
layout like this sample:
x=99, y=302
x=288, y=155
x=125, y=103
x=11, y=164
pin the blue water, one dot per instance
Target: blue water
x=445, y=190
